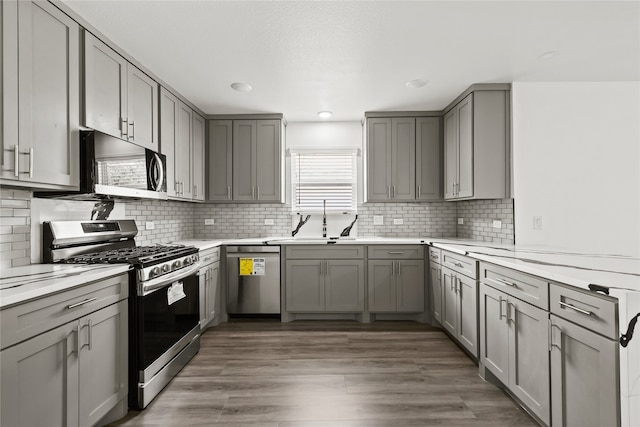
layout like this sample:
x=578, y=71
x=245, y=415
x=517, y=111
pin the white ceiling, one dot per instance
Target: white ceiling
x=355, y=56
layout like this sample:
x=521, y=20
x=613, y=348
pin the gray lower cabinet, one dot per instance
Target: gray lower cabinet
x=72, y=375
x=40, y=110
x=209, y=276
x=514, y=347
x=584, y=377
x=396, y=286
x=460, y=309
x=476, y=145
x=318, y=286
x=435, y=281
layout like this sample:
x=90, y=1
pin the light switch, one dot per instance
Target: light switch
x=209, y=221
x=460, y=221
x=149, y=225
x=378, y=220
x=398, y=221
x=537, y=223
x=268, y=221
x=497, y=223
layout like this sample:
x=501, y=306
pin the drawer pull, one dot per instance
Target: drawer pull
x=506, y=282
x=434, y=256
x=573, y=307
x=78, y=304
x=457, y=264
x=396, y=253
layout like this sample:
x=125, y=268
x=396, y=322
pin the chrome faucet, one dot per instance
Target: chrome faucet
x=300, y=224
x=324, y=218
x=347, y=229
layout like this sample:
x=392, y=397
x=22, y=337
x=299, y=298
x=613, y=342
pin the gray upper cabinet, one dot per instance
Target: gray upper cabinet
x=428, y=158
x=198, y=159
x=391, y=150
x=183, y=152
x=120, y=100
x=250, y=160
x=40, y=109
x=477, y=145
x=168, y=135
x=220, y=159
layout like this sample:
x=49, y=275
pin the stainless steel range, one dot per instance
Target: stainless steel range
x=164, y=314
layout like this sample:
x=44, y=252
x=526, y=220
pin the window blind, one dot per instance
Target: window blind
x=318, y=176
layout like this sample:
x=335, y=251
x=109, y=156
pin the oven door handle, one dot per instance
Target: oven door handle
x=145, y=288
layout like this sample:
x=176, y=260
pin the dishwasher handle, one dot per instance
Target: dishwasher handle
x=233, y=250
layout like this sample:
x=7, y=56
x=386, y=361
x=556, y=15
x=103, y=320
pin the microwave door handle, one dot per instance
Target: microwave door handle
x=157, y=177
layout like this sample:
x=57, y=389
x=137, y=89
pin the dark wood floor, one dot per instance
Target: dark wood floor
x=329, y=374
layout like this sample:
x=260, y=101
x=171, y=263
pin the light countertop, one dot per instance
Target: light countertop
x=21, y=284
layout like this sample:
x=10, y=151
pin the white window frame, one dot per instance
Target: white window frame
x=295, y=209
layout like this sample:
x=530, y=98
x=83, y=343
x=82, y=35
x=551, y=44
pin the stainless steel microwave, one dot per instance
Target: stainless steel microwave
x=111, y=168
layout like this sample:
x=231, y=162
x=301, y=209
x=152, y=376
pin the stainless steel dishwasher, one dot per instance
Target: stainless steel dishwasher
x=253, y=280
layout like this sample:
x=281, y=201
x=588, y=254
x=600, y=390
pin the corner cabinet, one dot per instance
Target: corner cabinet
x=435, y=284
x=119, y=99
x=477, y=145
x=40, y=108
x=396, y=279
x=324, y=280
x=65, y=363
x=245, y=160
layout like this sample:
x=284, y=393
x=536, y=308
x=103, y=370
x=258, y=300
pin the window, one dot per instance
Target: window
x=318, y=175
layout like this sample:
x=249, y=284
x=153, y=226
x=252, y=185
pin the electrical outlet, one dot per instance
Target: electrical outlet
x=460, y=221
x=378, y=220
x=497, y=223
x=537, y=223
x=209, y=221
x=268, y=221
x=149, y=225
x=398, y=221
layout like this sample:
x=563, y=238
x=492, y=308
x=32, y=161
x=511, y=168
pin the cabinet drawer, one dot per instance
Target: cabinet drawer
x=396, y=252
x=460, y=264
x=324, y=252
x=435, y=255
x=27, y=320
x=592, y=311
x=531, y=289
x=209, y=255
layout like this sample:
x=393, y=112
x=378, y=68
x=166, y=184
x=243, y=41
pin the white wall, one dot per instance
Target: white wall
x=324, y=135
x=576, y=164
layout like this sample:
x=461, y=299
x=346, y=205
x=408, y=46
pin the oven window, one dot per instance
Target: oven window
x=164, y=324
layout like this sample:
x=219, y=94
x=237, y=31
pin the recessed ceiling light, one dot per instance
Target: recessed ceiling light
x=241, y=87
x=417, y=83
x=548, y=55
x=325, y=114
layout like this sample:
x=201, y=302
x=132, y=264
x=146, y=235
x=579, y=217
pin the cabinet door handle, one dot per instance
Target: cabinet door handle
x=258, y=192
x=458, y=287
x=90, y=324
x=573, y=307
x=500, y=314
x=76, y=331
x=228, y=192
x=418, y=191
x=457, y=264
x=31, y=163
x=453, y=189
x=506, y=282
x=509, y=317
x=551, y=343
x=16, y=160
x=124, y=127
x=398, y=270
x=388, y=191
x=78, y=304
x=396, y=253
x=133, y=128
x=195, y=191
x=394, y=191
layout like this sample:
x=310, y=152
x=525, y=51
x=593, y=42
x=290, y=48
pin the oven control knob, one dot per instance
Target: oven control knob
x=154, y=272
x=177, y=264
x=188, y=261
x=166, y=268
